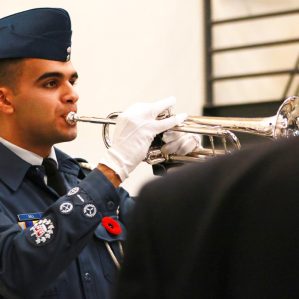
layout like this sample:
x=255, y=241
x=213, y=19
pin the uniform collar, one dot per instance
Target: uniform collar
x=66, y=163
x=26, y=155
x=13, y=168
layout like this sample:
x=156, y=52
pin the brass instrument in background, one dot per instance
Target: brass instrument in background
x=284, y=124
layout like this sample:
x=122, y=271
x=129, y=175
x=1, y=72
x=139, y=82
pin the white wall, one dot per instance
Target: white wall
x=127, y=51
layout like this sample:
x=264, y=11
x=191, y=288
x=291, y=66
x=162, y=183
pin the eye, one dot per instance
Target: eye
x=73, y=81
x=51, y=84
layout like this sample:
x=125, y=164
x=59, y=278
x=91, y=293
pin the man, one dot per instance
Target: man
x=227, y=228
x=60, y=230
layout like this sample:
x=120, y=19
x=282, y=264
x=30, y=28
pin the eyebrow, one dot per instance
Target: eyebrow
x=55, y=75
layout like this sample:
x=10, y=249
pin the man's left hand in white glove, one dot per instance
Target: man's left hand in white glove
x=180, y=143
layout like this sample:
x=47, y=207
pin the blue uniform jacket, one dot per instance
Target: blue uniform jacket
x=51, y=246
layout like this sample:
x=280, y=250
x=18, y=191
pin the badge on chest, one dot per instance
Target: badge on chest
x=28, y=219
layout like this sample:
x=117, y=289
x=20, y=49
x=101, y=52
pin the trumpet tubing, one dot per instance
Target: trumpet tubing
x=258, y=126
x=72, y=118
x=284, y=124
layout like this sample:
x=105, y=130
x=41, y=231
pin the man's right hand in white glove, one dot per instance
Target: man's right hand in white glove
x=135, y=130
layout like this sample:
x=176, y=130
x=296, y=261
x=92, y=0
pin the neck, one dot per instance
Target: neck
x=40, y=150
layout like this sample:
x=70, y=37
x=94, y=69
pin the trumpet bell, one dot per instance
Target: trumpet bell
x=284, y=124
x=287, y=118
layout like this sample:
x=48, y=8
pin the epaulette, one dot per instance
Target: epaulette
x=85, y=165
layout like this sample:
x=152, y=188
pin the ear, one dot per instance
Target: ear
x=5, y=104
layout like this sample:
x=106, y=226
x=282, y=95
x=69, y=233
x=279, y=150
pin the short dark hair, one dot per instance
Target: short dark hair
x=10, y=71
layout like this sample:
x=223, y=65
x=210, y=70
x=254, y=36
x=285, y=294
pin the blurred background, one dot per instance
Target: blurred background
x=217, y=57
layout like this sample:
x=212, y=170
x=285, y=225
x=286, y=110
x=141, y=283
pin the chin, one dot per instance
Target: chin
x=68, y=136
x=65, y=139
x=71, y=137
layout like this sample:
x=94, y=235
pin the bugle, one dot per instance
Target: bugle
x=285, y=123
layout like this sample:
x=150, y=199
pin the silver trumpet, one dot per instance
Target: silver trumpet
x=285, y=123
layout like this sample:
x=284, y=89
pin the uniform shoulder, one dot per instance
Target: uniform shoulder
x=85, y=165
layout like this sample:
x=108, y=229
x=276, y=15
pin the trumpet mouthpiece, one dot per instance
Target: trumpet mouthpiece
x=71, y=118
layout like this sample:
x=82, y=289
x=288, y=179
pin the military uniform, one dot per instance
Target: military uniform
x=54, y=247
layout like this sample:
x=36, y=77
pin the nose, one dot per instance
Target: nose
x=70, y=96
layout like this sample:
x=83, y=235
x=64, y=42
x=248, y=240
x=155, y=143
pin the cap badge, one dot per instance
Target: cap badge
x=68, y=50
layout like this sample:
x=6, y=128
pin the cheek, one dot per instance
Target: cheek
x=39, y=109
x=36, y=117
x=36, y=100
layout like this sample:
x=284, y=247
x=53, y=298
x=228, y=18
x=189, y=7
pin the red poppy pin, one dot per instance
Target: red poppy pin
x=111, y=225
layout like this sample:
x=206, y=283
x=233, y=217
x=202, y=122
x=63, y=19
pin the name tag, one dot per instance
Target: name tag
x=30, y=216
x=28, y=219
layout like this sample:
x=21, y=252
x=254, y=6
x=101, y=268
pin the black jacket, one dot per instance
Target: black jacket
x=227, y=228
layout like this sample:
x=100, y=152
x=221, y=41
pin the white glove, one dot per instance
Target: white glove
x=180, y=143
x=134, y=132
